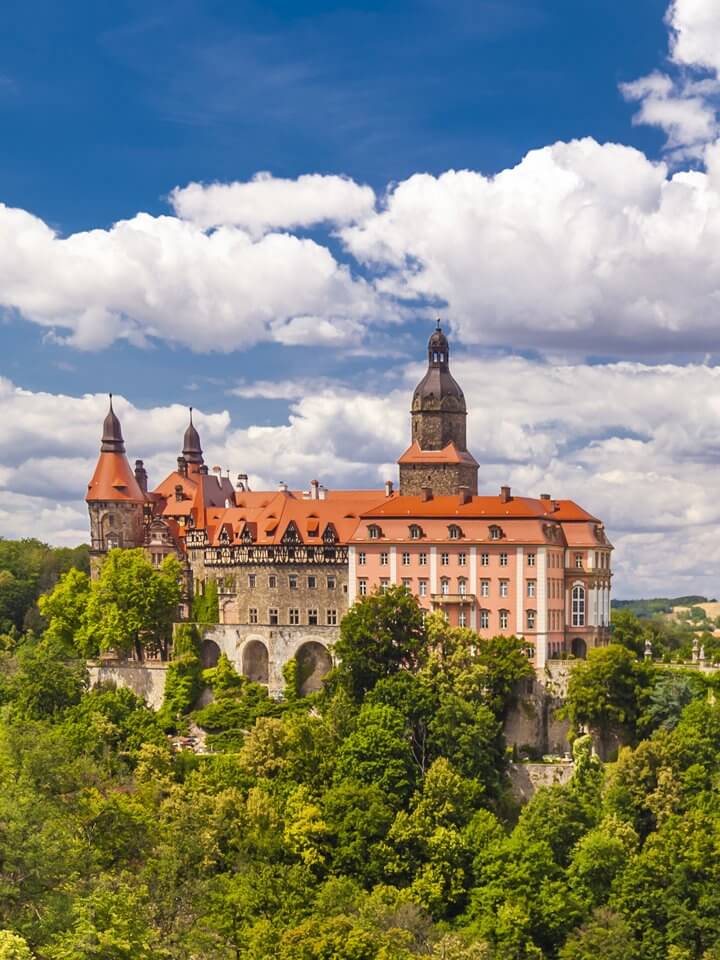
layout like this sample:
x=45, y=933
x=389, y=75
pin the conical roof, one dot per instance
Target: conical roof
x=192, y=451
x=112, y=438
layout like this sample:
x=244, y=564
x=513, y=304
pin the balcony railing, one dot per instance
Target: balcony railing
x=452, y=597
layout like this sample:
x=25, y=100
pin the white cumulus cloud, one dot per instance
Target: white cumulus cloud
x=270, y=203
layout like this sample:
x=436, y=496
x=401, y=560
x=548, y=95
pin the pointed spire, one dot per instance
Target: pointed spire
x=112, y=438
x=438, y=348
x=192, y=451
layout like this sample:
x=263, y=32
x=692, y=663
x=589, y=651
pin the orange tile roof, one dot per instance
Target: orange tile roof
x=114, y=479
x=485, y=507
x=449, y=454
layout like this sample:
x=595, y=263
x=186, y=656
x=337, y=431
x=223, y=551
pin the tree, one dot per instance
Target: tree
x=606, y=934
x=132, y=605
x=628, y=630
x=379, y=635
x=378, y=751
x=65, y=609
x=13, y=947
x=608, y=691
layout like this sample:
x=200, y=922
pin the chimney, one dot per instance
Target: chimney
x=179, y=492
x=505, y=495
x=555, y=505
x=426, y=494
x=322, y=493
x=282, y=486
x=203, y=469
x=141, y=475
x=544, y=496
x=314, y=489
x=464, y=495
x=182, y=466
x=242, y=483
x=388, y=488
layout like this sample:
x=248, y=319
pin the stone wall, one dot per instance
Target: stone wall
x=147, y=680
x=533, y=721
x=254, y=648
x=527, y=778
x=442, y=478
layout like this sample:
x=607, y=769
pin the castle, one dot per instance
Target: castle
x=289, y=563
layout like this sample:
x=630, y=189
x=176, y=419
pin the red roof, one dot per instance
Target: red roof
x=480, y=507
x=114, y=480
x=449, y=454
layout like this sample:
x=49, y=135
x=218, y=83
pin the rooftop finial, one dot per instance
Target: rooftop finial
x=190, y=414
x=112, y=438
x=192, y=451
x=438, y=327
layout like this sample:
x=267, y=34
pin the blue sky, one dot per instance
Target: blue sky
x=588, y=262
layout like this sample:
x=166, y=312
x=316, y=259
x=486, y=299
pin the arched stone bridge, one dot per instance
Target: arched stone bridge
x=261, y=652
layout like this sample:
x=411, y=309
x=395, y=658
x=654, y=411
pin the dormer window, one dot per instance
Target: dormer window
x=496, y=532
x=330, y=534
x=291, y=534
x=374, y=531
x=415, y=531
x=454, y=531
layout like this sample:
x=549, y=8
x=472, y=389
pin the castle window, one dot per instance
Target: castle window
x=273, y=616
x=462, y=619
x=444, y=586
x=415, y=531
x=384, y=558
x=252, y=579
x=294, y=617
x=252, y=615
x=531, y=559
x=578, y=561
x=272, y=581
x=331, y=618
x=422, y=559
x=484, y=559
x=504, y=619
x=330, y=534
x=503, y=559
x=531, y=588
x=484, y=588
x=312, y=582
x=312, y=617
x=293, y=581
x=331, y=583
x=530, y=619
x=495, y=532
x=454, y=531
x=462, y=586
x=406, y=582
x=462, y=559
x=406, y=559
x=504, y=588
x=444, y=559
x=578, y=606
x=374, y=531
x=384, y=584
x=484, y=619
x=362, y=558
x=362, y=587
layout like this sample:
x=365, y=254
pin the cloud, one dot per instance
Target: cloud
x=270, y=203
x=684, y=106
x=638, y=445
x=166, y=278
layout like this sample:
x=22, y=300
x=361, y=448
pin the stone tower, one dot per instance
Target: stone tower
x=438, y=457
x=115, y=496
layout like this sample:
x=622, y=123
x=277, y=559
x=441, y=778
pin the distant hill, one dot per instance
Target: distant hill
x=655, y=605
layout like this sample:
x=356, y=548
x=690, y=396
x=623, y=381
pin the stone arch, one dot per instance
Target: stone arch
x=313, y=664
x=578, y=648
x=209, y=653
x=255, y=662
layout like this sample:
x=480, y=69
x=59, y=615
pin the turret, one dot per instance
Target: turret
x=114, y=497
x=438, y=457
x=192, y=451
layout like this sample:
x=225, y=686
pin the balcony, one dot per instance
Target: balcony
x=452, y=597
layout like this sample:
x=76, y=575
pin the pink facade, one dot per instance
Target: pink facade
x=539, y=569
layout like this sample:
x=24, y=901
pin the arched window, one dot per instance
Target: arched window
x=445, y=586
x=415, y=531
x=531, y=619
x=462, y=586
x=454, y=531
x=495, y=532
x=578, y=606
x=374, y=531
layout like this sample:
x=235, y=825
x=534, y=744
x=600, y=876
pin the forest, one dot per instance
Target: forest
x=370, y=821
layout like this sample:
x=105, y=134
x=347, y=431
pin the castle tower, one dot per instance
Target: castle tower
x=438, y=457
x=114, y=497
